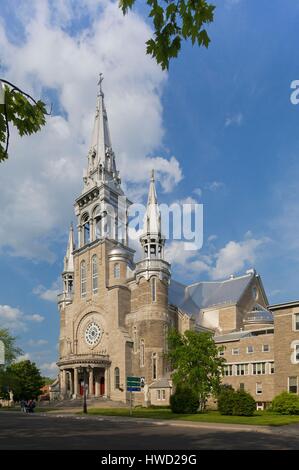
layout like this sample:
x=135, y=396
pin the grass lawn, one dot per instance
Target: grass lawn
x=260, y=418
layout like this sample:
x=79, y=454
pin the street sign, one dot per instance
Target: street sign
x=133, y=384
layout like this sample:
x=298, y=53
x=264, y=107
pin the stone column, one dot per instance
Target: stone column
x=71, y=383
x=75, y=382
x=107, y=382
x=63, y=383
x=97, y=384
x=91, y=230
x=90, y=383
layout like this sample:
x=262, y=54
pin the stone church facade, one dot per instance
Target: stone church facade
x=115, y=312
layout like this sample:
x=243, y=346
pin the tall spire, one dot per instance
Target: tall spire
x=101, y=158
x=68, y=266
x=152, y=218
x=151, y=239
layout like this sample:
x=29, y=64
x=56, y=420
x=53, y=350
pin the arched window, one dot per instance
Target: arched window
x=116, y=378
x=142, y=353
x=135, y=339
x=83, y=278
x=116, y=271
x=94, y=264
x=154, y=365
x=153, y=288
x=86, y=229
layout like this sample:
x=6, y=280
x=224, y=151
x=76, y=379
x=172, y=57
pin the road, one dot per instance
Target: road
x=36, y=431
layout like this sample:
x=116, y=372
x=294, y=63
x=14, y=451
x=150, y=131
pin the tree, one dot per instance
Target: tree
x=20, y=109
x=194, y=358
x=174, y=21
x=25, y=380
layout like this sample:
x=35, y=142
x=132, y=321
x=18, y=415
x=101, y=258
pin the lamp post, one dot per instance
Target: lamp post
x=84, y=370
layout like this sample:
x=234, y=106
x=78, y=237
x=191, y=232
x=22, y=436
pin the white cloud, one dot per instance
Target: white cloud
x=234, y=120
x=23, y=357
x=215, y=185
x=48, y=294
x=198, y=192
x=37, y=342
x=233, y=258
x=49, y=369
x=12, y=318
x=35, y=318
x=42, y=177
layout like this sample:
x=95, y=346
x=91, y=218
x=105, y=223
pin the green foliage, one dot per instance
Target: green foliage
x=25, y=380
x=226, y=400
x=194, y=358
x=237, y=403
x=173, y=22
x=244, y=404
x=26, y=114
x=184, y=400
x=11, y=350
x=286, y=404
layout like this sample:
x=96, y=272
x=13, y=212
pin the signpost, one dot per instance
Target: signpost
x=133, y=385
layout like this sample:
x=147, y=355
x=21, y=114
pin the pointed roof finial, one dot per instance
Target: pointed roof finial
x=153, y=175
x=101, y=78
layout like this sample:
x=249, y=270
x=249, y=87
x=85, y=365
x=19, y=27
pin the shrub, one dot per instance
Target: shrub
x=184, y=400
x=226, y=400
x=286, y=404
x=244, y=404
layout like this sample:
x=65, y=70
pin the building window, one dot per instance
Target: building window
x=259, y=368
x=142, y=353
x=86, y=229
x=154, y=365
x=153, y=288
x=235, y=351
x=271, y=368
x=296, y=352
x=94, y=263
x=266, y=348
x=259, y=388
x=241, y=369
x=296, y=321
x=83, y=278
x=158, y=394
x=250, y=349
x=228, y=370
x=135, y=339
x=293, y=384
x=116, y=378
x=116, y=271
x=254, y=293
x=242, y=386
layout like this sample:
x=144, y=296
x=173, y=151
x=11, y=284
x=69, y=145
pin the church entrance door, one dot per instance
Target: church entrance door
x=102, y=386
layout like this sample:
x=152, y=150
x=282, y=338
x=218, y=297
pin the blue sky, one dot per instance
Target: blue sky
x=219, y=128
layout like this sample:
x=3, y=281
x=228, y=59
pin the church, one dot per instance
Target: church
x=116, y=311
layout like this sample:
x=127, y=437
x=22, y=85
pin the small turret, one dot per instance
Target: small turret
x=68, y=270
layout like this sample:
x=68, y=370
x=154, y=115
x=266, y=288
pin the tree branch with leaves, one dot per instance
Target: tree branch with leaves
x=173, y=22
x=20, y=109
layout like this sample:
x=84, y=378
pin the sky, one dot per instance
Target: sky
x=219, y=128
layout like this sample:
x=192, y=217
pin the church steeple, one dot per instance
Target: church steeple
x=68, y=265
x=152, y=240
x=101, y=158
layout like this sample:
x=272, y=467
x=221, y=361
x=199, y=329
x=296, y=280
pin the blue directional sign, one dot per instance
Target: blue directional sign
x=133, y=384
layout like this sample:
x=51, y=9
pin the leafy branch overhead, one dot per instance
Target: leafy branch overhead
x=173, y=22
x=20, y=109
